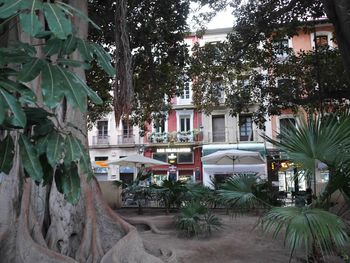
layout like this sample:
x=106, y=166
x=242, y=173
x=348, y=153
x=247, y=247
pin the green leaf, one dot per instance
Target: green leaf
x=13, y=55
x=68, y=182
x=103, y=59
x=6, y=154
x=52, y=93
x=3, y=108
x=75, y=95
x=18, y=118
x=27, y=95
x=84, y=161
x=85, y=49
x=55, y=148
x=31, y=70
x=73, y=151
x=47, y=169
x=53, y=46
x=73, y=63
x=65, y=7
x=69, y=45
x=41, y=144
x=92, y=94
x=36, y=116
x=30, y=23
x=57, y=21
x=30, y=159
x=10, y=7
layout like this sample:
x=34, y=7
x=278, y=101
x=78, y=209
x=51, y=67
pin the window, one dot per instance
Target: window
x=246, y=128
x=186, y=92
x=322, y=40
x=218, y=90
x=101, y=158
x=102, y=128
x=218, y=128
x=185, y=123
x=281, y=47
x=127, y=129
x=185, y=157
x=159, y=125
x=285, y=124
x=161, y=157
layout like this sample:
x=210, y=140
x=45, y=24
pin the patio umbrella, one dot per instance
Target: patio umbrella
x=136, y=159
x=233, y=157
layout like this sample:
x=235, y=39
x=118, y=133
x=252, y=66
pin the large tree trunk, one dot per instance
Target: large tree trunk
x=338, y=11
x=38, y=225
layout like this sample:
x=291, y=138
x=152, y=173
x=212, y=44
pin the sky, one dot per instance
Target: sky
x=221, y=20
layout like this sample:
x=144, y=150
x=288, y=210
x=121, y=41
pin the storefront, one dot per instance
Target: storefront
x=221, y=172
x=185, y=163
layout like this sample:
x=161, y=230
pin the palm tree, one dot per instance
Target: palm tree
x=319, y=139
x=319, y=232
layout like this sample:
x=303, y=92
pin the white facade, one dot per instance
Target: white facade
x=109, y=143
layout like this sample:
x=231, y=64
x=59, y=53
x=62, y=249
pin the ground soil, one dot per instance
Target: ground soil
x=238, y=242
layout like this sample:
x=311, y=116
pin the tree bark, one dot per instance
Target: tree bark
x=338, y=11
x=39, y=225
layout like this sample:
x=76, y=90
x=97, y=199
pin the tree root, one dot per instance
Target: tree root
x=149, y=224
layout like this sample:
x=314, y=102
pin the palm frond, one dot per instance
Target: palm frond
x=238, y=192
x=317, y=138
x=306, y=227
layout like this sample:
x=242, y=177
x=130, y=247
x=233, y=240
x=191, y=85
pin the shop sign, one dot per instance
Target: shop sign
x=174, y=150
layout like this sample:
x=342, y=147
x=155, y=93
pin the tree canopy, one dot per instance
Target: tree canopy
x=252, y=68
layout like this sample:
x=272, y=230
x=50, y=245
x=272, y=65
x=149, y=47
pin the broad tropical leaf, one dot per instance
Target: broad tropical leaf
x=53, y=46
x=2, y=110
x=89, y=92
x=68, y=8
x=30, y=23
x=73, y=148
x=69, y=45
x=68, y=182
x=41, y=145
x=30, y=159
x=86, y=50
x=55, y=148
x=18, y=118
x=11, y=7
x=52, y=92
x=306, y=227
x=72, y=89
x=31, y=70
x=6, y=154
x=27, y=95
x=47, y=169
x=57, y=20
x=103, y=59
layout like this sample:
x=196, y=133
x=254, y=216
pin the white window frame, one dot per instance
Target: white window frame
x=290, y=45
x=285, y=116
x=165, y=125
x=185, y=101
x=180, y=113
x=329, y=34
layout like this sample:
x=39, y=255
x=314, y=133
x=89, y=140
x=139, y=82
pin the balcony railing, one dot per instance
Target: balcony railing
x=175, y=137
x=100, y=140
x=126, y=139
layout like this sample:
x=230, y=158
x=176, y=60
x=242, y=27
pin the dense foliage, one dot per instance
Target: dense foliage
x=48, y=144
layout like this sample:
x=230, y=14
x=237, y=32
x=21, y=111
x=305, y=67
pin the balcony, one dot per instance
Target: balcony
x=100, y=140
x=192, y=136
x=126, y=139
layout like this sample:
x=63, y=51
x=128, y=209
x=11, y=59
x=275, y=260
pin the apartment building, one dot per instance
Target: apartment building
x=185, y=135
